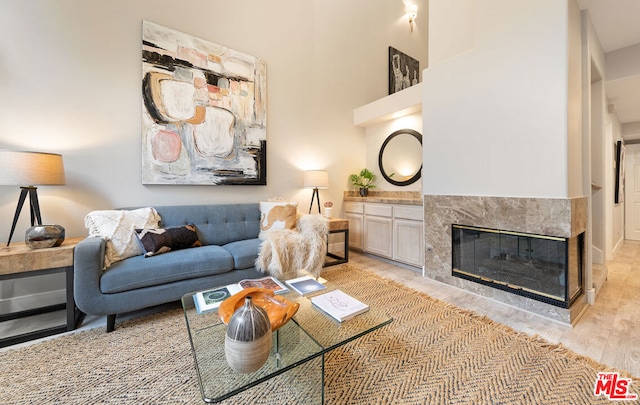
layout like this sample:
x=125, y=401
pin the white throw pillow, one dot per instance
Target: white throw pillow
x=117, y=227
x=278, y=215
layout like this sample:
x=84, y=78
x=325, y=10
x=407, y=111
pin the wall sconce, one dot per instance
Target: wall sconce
x=28, y=169
x=411, y=13
x=316, y=179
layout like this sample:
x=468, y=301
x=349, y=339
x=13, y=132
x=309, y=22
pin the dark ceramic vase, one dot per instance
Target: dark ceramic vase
x=44, y=236
x=247, y=343
x=364, y=191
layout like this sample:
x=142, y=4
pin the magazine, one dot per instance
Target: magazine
x=305, y=285
x=211, y=299
x=269, y=283
x=339, y=305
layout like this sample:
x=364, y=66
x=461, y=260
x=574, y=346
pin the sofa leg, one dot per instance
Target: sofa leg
x=111, y=322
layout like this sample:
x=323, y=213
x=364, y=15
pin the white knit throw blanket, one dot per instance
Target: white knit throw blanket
x=285, y=252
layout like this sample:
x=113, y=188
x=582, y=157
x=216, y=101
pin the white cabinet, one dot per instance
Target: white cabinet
x=354, y=213
x=388, y=230
x=408, y=239
x=378, y=230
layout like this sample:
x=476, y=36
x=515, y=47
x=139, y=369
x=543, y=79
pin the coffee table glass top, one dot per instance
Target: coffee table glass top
x=310, y=334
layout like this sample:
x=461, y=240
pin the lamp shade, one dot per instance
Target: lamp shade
x=316, y=179
x=19, y=168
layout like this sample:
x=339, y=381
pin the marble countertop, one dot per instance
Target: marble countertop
x=385, y=197
x=382, y=200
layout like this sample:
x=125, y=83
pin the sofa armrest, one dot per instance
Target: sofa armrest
x=88, y=261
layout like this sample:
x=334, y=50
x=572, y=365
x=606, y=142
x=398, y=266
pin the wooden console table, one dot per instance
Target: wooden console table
x=338, y=225
x=17, y=261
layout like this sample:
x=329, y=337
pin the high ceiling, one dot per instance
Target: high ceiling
x=617, y=24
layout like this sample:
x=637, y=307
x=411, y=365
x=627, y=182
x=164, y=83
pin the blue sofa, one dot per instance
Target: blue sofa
x=230, y=246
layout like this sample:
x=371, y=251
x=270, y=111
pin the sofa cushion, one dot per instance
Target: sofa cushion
x=117, y=228
x=244, y=252
x=138, y=272
x=278, y=215
x=161, y=240
x=217, y=224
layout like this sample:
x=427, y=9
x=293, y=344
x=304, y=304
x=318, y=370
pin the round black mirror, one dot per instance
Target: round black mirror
x=400, y=158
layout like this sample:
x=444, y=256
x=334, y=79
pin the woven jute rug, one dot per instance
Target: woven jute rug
x=432, y=353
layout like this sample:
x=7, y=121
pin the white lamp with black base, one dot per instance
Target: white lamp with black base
x=316, y=179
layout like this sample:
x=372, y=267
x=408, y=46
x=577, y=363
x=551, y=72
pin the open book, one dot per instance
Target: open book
x=339, y=305
x=211, y=299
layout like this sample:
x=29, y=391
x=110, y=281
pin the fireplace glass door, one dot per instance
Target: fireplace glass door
x=545, y=268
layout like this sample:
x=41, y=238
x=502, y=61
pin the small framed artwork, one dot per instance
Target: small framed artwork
x=620, y=155
x=404, y=71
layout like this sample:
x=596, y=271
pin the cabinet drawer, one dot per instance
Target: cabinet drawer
x=408, y=212
x=378, y=210
x=356, y=208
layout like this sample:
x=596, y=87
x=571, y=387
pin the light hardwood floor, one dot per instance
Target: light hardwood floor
x=608, y=332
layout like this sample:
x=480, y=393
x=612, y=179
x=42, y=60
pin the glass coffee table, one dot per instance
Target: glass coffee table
x=297, y=355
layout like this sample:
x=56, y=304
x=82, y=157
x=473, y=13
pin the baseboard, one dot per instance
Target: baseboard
x=25, y=302
x=337, y=246
x=597, y=255
x=617, y=246
x=395, y=263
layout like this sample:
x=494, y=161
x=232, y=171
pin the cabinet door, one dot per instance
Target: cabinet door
x=377, y=236
x=408, y=244
x=355, y=230
x=354, y=207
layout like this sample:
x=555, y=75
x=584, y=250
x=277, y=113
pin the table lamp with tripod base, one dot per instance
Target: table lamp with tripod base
x=316, y=179
x=31, y=168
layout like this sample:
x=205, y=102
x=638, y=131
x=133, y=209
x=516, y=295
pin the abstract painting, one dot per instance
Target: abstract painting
x=204, y=111
x=404, y=71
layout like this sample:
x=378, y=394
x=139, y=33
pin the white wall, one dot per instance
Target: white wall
x=453, y=31
x=375, y=137
x=631, y=131
x=603, y=129
x=615, y=236
x=496, y=116
x=70, y=79
x=575, y=136
x=599, y=177
x=593, y=65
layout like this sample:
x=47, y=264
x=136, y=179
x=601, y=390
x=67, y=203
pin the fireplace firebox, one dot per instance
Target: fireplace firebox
x=545, y=268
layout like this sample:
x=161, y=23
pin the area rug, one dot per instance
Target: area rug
x=432, y=353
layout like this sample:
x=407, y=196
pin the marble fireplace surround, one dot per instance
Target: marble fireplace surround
x=560, y=217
